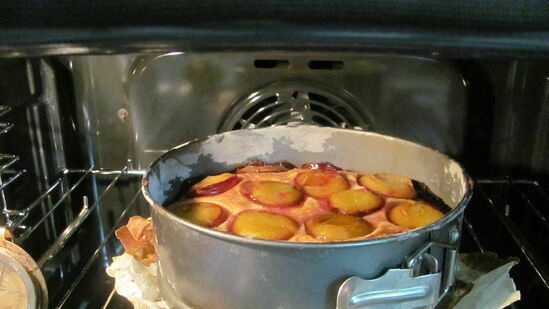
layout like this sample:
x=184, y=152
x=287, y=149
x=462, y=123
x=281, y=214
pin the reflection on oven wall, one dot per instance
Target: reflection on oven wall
x=521, y=119
x=152, y=103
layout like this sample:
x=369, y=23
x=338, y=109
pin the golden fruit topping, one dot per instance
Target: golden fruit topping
x=203, y=214
x=337, y=227
x=321, y=183
x=355, y=201
x=388, y=185
x=272, y=193
x=264, y=225
x=414, y=214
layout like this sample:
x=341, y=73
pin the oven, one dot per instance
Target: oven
x=91, y=94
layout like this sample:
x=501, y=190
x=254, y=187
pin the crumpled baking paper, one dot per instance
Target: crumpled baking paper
x=136, y=282
x=486, y=279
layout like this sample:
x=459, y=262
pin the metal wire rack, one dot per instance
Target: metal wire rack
x=510, y=211
x=6, y=163
x=64, y=218
x=509, y=217
x=506, y=216
x=84, y=245
x=91, y=275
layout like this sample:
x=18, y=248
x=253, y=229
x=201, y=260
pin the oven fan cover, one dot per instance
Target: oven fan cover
x=296, y=102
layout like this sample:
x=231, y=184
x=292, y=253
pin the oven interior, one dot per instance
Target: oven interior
x=78, y=132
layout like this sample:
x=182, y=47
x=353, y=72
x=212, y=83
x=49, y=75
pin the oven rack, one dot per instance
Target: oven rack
x=494, y=204
x=509, y=217
x=72, y=244
x=6, y=163
x=506, y=216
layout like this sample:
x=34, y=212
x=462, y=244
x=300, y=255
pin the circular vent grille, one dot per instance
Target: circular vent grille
x=292, y=103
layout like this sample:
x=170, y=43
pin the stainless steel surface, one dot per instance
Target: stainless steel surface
x=418, y=284
x=521, y=119
x=418, y=99
x=94, y=287
x=521, y=208
x=295, y=101
x=5, y=127
x=431, y=27
x=73, y=264
x=493, y=111
x=6, y=183
x=397, y=288
x=24, y=213
x=227, y=271
x=6, y=161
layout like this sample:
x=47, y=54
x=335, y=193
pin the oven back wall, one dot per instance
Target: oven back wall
x=139, y=106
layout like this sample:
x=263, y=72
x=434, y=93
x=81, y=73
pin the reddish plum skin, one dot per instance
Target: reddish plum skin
x=216, y=188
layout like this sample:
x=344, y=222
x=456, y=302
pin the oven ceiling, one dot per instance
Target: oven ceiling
x=444, y=27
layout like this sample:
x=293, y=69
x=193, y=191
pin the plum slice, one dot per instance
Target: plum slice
x=413, y=214
x=355, y=201
x=272, y=193
x=388, y=185
x=203, y=214
x=337, y=227
x=264, y=225
x=213, y=185
x=321, y=183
